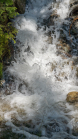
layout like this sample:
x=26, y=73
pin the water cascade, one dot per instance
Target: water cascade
x=33, y=101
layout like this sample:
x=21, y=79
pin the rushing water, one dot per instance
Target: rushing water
x=40, y=79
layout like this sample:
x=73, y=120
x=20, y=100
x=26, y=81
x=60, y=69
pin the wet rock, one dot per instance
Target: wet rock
x=49, y=40
x=2, y=82
x=22, y=87
x=7, y=133
x=76, y=24
x=8, y=58
x=51, y=127
x=73, y=2
x=62, y=34
x=64, y=46
x=77, y=72
x=53, y=66
x=75, y=127
x=74, y=10
x=20, y=4
x=73, y=13
x=72, y=97
x=74, y=28
x=7, y=92
x=37, y=132
x=68, y=137
x=50, y=21
x=5, y=107
x=75, y=131
x=76, y=105
x=73, y=31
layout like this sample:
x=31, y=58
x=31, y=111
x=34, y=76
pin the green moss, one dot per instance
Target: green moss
x=7, y=31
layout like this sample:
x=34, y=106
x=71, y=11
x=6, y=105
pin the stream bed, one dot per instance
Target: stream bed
x=33, y=100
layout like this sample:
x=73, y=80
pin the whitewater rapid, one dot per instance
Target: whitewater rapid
x=41, y=79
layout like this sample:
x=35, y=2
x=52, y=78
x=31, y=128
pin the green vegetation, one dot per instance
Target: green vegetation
x=7, y=30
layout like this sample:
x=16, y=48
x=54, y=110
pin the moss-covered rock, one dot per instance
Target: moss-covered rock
x=72, y=97
x=20, y=4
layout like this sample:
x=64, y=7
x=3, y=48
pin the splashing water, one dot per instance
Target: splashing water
x=37, y=104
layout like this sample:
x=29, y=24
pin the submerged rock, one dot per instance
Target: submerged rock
x=73, y=2
x=63, y=49
x=74, y=10
x=75, y=131
x=75, y=127
x=51, y=19
x=72, y=97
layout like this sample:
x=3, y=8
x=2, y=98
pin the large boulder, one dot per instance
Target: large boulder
x=20, y=5
x=72, y=97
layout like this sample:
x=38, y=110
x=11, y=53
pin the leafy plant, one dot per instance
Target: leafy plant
x=7, y=30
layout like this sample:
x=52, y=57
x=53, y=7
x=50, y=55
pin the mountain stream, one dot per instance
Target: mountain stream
x=33, y=103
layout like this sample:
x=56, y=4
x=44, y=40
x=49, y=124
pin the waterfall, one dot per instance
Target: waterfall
x=40, y=76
